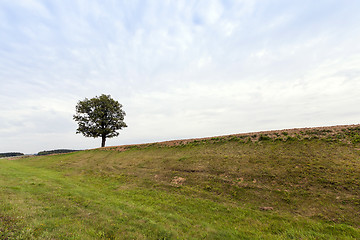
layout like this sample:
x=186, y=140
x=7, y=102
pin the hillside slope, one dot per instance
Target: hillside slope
x=289, y=184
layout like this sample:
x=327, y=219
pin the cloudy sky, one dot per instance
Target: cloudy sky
x=181, y=68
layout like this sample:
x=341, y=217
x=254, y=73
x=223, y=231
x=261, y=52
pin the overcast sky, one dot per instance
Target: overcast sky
x=180, y=68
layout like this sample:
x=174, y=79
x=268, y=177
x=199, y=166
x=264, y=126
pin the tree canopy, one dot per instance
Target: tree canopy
x=99, y=117
x=10, y=154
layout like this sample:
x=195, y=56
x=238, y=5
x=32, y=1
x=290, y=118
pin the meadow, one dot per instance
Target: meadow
x=294, y=184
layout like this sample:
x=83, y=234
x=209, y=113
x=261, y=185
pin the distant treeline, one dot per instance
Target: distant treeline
x=10, y=154
x=56, y=151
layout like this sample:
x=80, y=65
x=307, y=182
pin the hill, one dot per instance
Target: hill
x=288, y=184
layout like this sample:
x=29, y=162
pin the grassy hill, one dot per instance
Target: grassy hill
x=288, y=184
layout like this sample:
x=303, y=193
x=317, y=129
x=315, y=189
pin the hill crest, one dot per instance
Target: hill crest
x=342, y=133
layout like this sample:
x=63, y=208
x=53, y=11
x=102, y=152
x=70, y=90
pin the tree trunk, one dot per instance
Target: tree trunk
x=103, y=139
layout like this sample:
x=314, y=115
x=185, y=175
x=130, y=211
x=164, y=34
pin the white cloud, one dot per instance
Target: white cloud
x=210, y=11
x=33, y=6
x=181, y=69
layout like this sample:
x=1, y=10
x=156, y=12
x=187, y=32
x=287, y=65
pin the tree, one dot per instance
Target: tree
x=99, y=117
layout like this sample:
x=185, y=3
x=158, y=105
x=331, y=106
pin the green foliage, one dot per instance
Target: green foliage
x=57, y=151
x=318, y=132
x=289, y=138
x=99, y=117
x=10, y=154
x=353, y=133
x=264, y=137
x=356, y=139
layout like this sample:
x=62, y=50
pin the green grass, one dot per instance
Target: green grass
x=313, y=187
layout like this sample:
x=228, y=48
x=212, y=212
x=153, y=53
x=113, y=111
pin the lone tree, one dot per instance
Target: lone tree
x=99, y=117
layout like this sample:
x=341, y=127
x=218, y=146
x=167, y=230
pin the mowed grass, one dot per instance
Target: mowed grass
x=201, y=190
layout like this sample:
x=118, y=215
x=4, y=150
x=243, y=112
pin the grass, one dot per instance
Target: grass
x=206, y=189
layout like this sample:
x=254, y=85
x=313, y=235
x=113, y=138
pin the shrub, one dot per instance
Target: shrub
x=56, y=151
x=264, y=138
x=10, y=154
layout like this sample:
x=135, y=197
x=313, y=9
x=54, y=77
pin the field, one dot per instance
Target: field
x=289, y=184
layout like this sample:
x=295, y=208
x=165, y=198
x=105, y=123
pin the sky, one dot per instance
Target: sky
x=180, y=68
